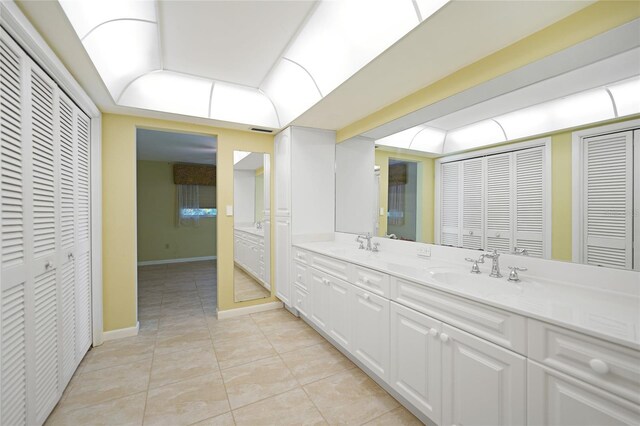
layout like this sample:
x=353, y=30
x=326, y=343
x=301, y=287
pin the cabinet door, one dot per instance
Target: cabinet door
x=450, y=205
x=283, y=259
x=482, y=384
x=472, y=203
x=340, y=319
x=499, y=203
x=415, y=371
x=371, y=331
x=301, y=301
x=557, y=399
x=319, y=294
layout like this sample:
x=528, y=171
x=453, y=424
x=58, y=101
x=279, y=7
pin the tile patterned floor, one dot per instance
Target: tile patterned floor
x=245, y=287
x=187, y=367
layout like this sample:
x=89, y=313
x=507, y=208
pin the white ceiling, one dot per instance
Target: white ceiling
x=233, y=41
x=457, y=35
x=155, y=145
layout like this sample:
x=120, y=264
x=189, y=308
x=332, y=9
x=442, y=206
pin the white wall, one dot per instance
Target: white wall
x=244, y=187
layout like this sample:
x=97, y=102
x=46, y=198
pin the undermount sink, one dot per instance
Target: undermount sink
x=478, y=283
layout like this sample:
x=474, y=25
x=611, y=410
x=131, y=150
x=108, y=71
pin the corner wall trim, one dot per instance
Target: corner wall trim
x=230, y=313
x=121, y=333
x=183, y=260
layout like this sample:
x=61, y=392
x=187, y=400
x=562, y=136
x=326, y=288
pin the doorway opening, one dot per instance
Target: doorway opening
x=176, y=228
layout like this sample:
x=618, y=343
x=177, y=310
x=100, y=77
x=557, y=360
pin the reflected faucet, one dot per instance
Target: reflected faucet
x=362, y=238
x=495, y=264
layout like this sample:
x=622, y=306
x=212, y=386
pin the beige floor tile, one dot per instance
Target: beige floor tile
x=258, y=380
x=289, y=339
x=127, y=411
x=186, y=340
x=99, y=386
x=275, y=317
x=399, y=416
x=241, y=350
x=316, y=362
x=289, y=408
x=186, y=402
x=120, y=351
x=225, y=419
x=233, y=328
x=177, y=366
x=350, y=397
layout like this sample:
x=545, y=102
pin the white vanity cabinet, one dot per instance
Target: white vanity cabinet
x=249, y=254
x=304, y=195
x=370, y=341
x=482, y=383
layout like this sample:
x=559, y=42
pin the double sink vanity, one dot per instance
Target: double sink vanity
x=460, y=348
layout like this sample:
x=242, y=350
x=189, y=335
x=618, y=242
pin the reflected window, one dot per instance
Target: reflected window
x=402, y=199
x=199, y=212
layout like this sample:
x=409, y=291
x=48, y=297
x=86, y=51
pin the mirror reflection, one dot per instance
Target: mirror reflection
x=565, y=196
x=252, y=226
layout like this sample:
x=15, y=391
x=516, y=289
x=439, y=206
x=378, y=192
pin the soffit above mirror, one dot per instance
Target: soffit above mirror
x=167, y=64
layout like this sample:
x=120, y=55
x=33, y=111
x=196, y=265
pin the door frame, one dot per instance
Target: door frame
x=18, y=26
x=577, y=172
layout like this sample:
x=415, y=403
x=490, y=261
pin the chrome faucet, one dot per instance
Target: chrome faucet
x=495, y=264
x=362, y=238
x=519, y=251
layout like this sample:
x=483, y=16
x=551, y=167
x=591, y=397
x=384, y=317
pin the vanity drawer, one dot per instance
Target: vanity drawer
x=301, y=300
x=332, y=266
x=603, y=364
x=300, y=275
x=374, y=281
x=300, y=255
x=501, y=327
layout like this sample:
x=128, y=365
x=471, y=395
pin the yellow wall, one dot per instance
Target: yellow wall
x=157, y=218
x=583, y=25
x=426, y=197
x=119, y=210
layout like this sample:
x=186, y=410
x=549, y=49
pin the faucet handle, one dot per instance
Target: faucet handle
x=475, y=269
x=375, y=247
x=513, y=274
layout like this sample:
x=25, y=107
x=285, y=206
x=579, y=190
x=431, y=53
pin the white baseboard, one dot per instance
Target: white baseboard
x=230, y=313
x=184, y=259
x=121, y=333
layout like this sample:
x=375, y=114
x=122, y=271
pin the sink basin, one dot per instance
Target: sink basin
x=479, y=284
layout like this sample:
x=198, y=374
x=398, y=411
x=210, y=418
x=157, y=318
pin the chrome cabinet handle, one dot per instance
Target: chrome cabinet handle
x=48, y=265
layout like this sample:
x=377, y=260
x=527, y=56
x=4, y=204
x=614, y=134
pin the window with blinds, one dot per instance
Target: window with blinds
x=496, y=202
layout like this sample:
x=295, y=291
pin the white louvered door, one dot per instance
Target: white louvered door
x=608, y=200
x=530, y=208
x=45, y=285
x=499, y=220
x=13, y=280
x=472, y=203
x=450, y=204
x=43, y=97
x=83, y=234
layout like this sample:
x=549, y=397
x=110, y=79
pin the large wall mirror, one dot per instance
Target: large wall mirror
x=566, y=190
x=252, y=226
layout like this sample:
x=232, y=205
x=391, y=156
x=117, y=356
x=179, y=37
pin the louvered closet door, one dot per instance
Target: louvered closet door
x=608, y=200
x=83, y=236
x=43, y=98
x=67, y=224
x=498, y=203
x=472, y=203
x=530, y=208
x=13, y=223
x=450, y=210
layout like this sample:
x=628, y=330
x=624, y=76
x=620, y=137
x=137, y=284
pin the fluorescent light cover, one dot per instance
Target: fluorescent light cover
x=170, y=92
x=291, y=89
x=401, y=139
x=123, y=51
x=626, y=95
x=429, y=7
x=575, y=110
x=485, y=132
x=428, y=139
x=231, y=102
x=342, y=36
x=85, y=15
x=239, y=155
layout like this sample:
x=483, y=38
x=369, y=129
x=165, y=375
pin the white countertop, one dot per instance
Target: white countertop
x=250, y=230
x=609, y=315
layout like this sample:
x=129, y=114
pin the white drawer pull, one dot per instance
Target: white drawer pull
x=599, y=366
x=299, y=277
x=365, y=280
x=433, y=332
x=444, y=338
x=365, y=296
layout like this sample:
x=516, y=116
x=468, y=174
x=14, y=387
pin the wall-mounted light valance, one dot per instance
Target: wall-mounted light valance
x=194, y=174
